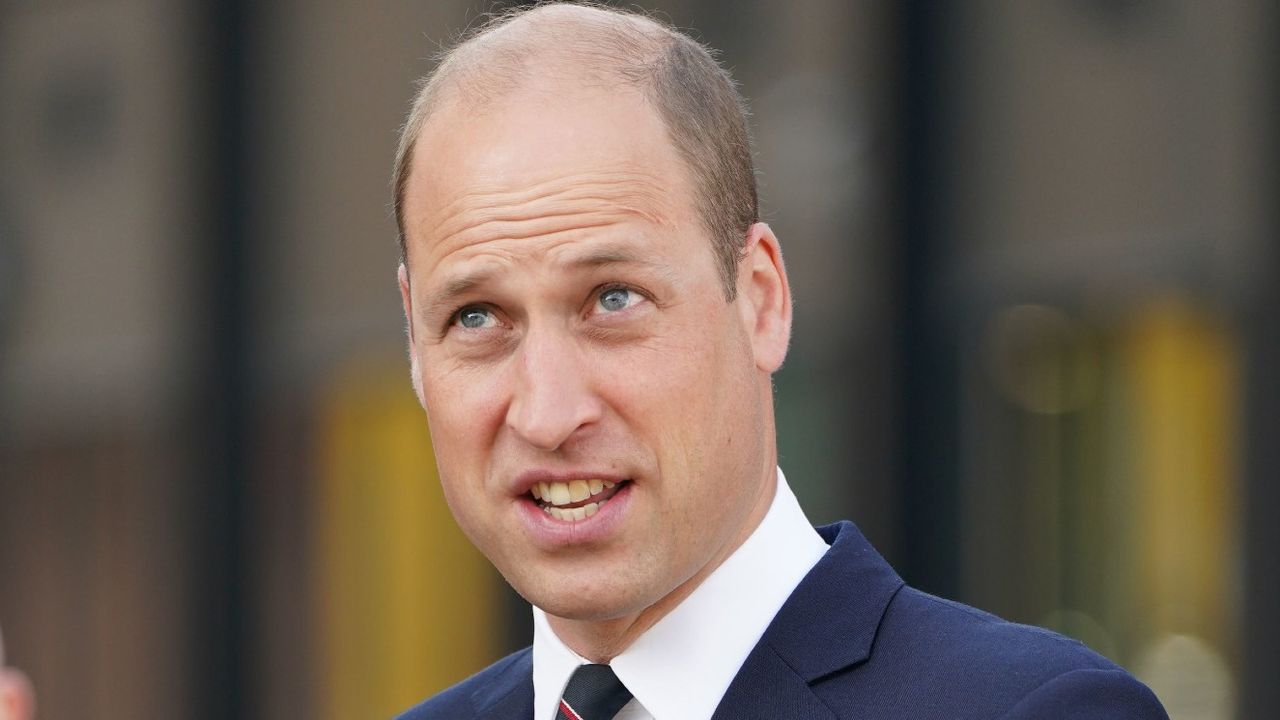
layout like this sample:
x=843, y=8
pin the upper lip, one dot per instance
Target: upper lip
x=526, y=480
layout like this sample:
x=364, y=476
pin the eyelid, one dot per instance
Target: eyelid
x=618, y=285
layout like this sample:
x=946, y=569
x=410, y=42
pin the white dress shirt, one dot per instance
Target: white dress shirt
x=681, y=667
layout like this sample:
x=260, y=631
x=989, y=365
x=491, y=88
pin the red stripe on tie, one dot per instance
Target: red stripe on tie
x=568, y=711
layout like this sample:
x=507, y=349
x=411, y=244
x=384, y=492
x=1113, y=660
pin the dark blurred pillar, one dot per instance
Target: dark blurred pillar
x=927, y=374
x=221, y=414
x=1261, y=631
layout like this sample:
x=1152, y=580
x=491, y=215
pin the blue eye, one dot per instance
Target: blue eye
x=615, y=299
x=474, y=318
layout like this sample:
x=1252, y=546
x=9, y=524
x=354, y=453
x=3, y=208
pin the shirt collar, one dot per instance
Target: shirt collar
x=682, y=666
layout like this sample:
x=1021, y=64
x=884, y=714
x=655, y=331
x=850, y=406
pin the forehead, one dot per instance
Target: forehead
x=538, y=154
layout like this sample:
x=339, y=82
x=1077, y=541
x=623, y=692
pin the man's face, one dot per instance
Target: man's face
x=571, y=337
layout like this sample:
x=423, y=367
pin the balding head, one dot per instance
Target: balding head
x=558, y=43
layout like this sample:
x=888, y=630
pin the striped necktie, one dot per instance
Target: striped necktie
x=593, y=693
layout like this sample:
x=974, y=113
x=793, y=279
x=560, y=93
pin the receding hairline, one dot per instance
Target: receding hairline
x=564, y=41
x=694, y=97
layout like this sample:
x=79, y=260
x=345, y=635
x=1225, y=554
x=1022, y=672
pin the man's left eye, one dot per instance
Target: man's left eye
x=615, y=299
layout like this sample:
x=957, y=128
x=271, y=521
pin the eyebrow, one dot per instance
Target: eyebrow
x=606, y=256
x=443, y=299
x=615, y=255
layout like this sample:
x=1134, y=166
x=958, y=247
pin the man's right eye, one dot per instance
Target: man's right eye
x=475, y=318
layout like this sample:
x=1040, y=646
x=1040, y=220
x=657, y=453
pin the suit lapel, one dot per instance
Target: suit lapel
x=827, y=625
x=766, y=688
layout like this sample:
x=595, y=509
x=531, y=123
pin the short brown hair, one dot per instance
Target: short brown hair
x=705, y=116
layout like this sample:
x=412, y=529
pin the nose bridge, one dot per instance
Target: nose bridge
x=553, y=396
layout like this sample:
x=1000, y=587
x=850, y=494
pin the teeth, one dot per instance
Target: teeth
x=563, y=493
x=559, y=494
x=574, y=514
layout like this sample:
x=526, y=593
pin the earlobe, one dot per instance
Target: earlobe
x=766, y=295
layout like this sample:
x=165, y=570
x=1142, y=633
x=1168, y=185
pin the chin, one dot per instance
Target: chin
x=594, y=605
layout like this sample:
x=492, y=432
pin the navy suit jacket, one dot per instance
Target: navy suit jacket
x=853, y=641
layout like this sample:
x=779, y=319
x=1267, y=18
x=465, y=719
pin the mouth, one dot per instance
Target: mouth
x=574, y=500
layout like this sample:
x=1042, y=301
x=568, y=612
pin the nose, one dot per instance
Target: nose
x=553, y=398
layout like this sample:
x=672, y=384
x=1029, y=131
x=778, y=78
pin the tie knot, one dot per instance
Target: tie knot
x=593, y=693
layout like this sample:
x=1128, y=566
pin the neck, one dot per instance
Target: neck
x=600, y=641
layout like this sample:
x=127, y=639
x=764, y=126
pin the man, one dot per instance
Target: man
x=16, y=699
x=594, y=315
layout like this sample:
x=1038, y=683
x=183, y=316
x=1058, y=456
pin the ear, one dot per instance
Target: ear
x=765, y=297
x=406, y=297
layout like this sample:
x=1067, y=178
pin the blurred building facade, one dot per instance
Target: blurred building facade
x=1033, y=251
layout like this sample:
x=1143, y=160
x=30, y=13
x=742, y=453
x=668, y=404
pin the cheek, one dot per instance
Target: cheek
x=463, y=413
x=459, y=400
x=456, y=418
x=688, y=358
x=718, y=422
x=692, y=396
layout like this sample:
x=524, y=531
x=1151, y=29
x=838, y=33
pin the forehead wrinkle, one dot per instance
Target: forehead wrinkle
x=542, y=226
x=622, y=188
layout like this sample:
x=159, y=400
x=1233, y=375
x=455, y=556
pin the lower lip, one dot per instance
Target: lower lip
x=550, y=532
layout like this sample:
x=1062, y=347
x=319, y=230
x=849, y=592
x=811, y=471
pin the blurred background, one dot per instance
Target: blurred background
x=1036, y=355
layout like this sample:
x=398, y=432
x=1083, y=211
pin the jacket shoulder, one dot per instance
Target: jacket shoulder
x=1089, y=695
x=951, y=650
x=965, y=637
x=459, y=701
